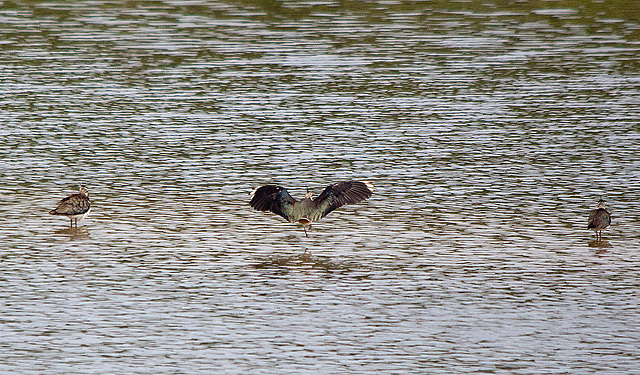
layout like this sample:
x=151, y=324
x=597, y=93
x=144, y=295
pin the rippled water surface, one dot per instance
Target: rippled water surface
x=489, y=131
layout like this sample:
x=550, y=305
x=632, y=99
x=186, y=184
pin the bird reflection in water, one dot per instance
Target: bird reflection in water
x=302, y=261
x=600, y=244
x=74, y=233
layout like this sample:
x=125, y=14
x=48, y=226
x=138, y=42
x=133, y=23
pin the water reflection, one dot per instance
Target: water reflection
x=601, y=244
x=303, y=261
x=74, y=233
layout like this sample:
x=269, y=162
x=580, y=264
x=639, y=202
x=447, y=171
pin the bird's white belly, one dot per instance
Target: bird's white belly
x=79, y=216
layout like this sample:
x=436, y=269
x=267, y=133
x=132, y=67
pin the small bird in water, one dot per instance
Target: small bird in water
x=75, y=207
x=277, y=200
x=599, y=219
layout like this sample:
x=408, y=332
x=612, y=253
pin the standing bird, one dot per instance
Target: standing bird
x=599, y=219
x=277, y=200
x=75, y=207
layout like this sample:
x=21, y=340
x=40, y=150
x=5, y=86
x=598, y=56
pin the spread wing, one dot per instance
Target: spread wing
x=337, y=195
x=76, y=204
x=273, y=198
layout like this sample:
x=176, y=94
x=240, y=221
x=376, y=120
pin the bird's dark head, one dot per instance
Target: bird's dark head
x=84, y=190
x=601, y=203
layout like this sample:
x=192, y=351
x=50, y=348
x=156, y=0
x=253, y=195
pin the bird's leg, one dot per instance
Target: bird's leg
x=71, y=223
x=305, y=231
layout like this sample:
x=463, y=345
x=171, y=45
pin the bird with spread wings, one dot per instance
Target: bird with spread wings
x=277, y=199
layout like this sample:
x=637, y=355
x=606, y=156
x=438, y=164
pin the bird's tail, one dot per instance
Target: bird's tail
x=591, y=225
x=52, y=212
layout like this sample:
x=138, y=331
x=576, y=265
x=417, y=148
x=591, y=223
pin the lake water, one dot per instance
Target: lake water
x=490, y=131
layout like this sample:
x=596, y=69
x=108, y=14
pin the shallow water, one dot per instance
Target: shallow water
x=489, y=132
